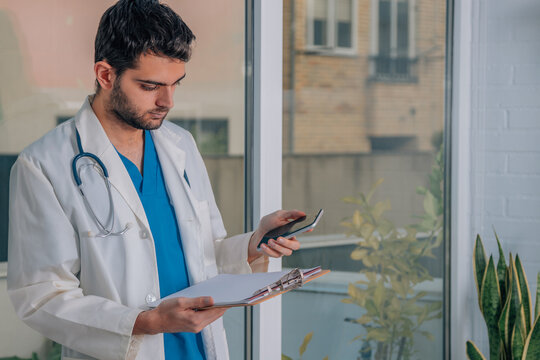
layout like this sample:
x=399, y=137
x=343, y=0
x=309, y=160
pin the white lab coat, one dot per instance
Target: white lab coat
x=84, y=291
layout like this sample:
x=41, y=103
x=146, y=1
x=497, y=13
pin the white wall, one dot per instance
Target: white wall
x=504, y=57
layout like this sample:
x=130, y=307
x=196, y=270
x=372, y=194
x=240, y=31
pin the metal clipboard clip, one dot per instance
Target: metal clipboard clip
x=290, y=281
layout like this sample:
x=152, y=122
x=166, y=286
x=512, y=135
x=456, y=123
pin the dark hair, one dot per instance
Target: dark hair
x=131, y=28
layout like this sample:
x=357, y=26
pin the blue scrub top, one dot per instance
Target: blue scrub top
x=172, y=270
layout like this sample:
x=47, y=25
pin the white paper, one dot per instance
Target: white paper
x=229, y=289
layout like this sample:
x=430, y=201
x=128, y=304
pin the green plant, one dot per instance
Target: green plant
x=391, y=259
x=505, y=302
x=302, y=348
x=34, y=357
x=54, y=353
x=392, y=268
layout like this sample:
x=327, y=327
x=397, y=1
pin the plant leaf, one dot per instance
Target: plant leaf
x=518, y=336
x=473, y=353
x=504, y=330
x=285, y=357
x=525, y=295
x=501, y=269
x=358, y=253
x=532, y=345
x=515, y=298
x=430, y=205
x=378, y=334
x=537, y=304
x=305, y=343
x=479, y=263
x=490, y=299
x=357, y=219
x=380, y=208
x=373, y=188
x=364, y=319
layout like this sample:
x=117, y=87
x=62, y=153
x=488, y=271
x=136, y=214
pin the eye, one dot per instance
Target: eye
x=148, y=87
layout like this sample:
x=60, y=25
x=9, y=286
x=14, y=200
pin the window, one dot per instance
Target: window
x=210, y=103
x=393, y=47
x=6, y=161
x=331, y=25
x=211, y=135
x=350, y=136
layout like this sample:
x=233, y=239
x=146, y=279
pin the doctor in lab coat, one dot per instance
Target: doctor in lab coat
x=87, y=291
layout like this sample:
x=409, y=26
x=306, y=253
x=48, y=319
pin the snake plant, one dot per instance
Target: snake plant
x=505, y=302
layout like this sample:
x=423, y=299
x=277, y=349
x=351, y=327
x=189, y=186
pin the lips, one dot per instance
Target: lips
x=157, y=114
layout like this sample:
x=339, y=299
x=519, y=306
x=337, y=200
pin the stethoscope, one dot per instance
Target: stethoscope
x=102, y=170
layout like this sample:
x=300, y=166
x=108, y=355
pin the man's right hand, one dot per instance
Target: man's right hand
x=177, y=315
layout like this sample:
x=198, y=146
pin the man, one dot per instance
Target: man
x=113, y=209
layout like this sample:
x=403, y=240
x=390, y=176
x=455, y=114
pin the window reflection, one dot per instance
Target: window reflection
x=47, y=71
x=362, y=140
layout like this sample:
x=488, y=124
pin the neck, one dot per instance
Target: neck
x=128, y=140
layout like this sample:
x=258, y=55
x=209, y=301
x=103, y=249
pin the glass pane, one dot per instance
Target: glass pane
x=344, y=23
x=369, y=153
x=47, y=58
x=320, y=22
x=403, y=29
x=384, y=28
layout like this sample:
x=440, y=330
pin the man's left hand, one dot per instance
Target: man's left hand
x=276, y=247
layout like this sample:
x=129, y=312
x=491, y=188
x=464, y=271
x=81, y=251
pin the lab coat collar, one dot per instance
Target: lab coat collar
x=173, y=164
x=94, y=140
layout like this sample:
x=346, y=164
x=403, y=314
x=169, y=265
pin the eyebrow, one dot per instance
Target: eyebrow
x=159, y=83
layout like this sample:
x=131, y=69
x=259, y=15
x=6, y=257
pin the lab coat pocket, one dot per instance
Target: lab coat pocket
x=100, y=257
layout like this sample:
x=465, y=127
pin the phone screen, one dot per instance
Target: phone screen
x=291, y=228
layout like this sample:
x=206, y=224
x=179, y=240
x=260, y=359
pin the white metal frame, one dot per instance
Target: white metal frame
x=267, y=149
x=461, y=304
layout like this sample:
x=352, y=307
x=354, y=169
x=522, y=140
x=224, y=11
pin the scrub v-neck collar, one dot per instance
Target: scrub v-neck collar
x=146, y=182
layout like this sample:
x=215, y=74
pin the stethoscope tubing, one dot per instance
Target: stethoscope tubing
x=104, y=231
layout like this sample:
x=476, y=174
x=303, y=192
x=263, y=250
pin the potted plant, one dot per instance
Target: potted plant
x=505, y=302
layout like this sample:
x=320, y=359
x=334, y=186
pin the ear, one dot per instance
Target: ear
x=105, y=74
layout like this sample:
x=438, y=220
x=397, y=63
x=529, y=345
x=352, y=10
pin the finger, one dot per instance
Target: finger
x=203, y=318
x=291, y=243
x=293, y=214
x=278, y=248
x=269, y=252
x=196, y=303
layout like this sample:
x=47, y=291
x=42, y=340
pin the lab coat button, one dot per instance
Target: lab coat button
x=150, y=298
x=144, y=234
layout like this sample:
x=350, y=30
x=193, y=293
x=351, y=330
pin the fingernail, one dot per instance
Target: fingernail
x=281, y=240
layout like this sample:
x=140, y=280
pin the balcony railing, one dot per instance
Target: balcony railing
x=386, y=68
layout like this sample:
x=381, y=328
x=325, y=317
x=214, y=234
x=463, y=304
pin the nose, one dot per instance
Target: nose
x=165, y=97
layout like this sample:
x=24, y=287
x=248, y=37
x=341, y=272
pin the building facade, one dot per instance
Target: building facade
x=363, y=75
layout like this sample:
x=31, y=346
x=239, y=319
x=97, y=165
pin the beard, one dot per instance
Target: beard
x=124, y=110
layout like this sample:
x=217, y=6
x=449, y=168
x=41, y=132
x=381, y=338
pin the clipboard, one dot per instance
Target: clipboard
x=233, y=290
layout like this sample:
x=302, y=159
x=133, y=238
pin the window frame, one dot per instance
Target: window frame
x=461, y=306
x=263, y=155
x=331, y=49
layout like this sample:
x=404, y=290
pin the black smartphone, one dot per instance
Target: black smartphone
x=293, y=228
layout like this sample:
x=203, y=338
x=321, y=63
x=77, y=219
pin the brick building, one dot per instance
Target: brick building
x=363, y=75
